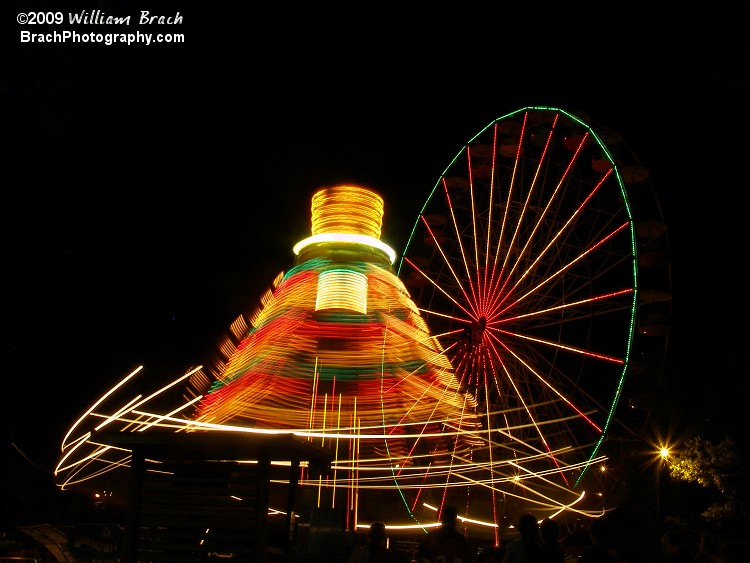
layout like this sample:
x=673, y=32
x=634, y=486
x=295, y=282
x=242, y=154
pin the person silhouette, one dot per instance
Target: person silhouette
x=552, y=551
x=526, y=548
x=603, y=548
x=376, y=550
x=446, y=543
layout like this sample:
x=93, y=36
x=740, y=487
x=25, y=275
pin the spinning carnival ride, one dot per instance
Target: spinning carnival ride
x=486, y=379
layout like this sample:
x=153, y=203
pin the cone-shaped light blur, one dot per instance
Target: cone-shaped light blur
x=340, y=350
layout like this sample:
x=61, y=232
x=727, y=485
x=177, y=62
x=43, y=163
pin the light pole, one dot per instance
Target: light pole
x=663, y=455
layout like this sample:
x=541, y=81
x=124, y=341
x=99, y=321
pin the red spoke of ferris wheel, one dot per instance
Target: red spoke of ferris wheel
x=525, y=207
x=530, y=413
x=559, y=346
x=490, y=207
x=502, y=342
x=439, y=287
x=557, y=235
x=543, y=214
x=549, y=279
x=493, y=322
x=511, y=188
x=457, y=230
x=491, y=454
x=481, y=292
x=482, y=284
x=473, y=213
x=463, y=364
x=519, y=395
x=487, y=367
x=564, y=306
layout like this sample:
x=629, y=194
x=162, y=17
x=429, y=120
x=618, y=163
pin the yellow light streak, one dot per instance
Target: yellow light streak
x=97, y=403
x=346, y=238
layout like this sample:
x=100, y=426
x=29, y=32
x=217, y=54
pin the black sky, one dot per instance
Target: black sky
x=155, y=191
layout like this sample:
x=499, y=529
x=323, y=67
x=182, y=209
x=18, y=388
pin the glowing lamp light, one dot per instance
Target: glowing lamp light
x=342, y=289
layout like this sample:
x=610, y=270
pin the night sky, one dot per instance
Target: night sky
x=154, y=192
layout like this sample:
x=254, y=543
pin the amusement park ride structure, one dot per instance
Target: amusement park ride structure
x=482, y=369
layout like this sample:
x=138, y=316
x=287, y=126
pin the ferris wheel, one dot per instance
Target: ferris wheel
x=525, y=262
